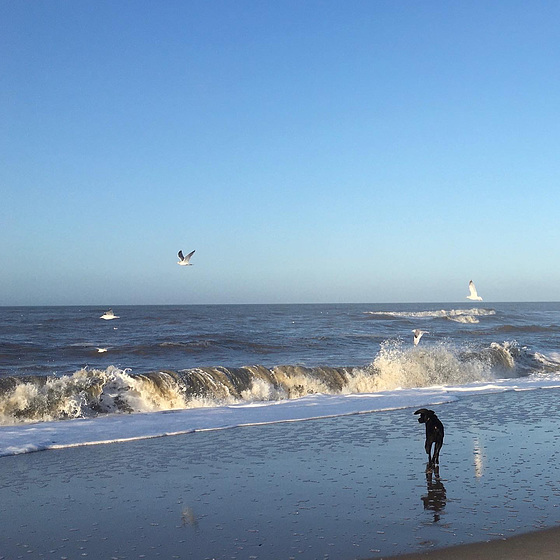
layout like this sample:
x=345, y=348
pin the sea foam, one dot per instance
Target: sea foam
x=92, y=393
x=127, y=427
x=453, y=314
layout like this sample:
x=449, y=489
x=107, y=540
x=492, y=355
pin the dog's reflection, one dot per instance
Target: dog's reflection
x=436, y=499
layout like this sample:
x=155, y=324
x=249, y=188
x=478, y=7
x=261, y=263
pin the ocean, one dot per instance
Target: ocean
x=226, y=365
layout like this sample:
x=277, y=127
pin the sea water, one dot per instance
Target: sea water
x=228, y=365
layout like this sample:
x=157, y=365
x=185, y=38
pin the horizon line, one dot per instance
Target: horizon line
x=103, y=305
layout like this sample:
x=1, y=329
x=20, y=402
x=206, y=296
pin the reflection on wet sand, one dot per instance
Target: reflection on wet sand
x=436, y=499
x=478, y=459
x=188, y=518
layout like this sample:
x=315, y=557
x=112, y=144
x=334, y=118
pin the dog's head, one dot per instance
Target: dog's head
x=425, y=415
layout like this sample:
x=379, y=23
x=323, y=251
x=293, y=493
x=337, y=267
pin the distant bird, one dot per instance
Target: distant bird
x=184, y=261
x=101, y=350
x=418, y=335
x=108, y=315
x=473, y=293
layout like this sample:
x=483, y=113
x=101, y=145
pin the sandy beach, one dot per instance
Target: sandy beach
x=539, y=545
x=344, y=488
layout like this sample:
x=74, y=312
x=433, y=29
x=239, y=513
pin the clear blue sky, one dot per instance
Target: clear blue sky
x=310, y=151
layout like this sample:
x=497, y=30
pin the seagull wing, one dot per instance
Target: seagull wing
x=180, y=253
x=472, y=289
x=188, y=257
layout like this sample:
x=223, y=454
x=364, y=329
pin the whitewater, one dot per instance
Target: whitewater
x=158, y=373
x=128, y=427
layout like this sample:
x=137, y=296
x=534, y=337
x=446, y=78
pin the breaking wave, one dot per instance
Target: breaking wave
x=460, y=315
x=464, y=319
x=94, y=392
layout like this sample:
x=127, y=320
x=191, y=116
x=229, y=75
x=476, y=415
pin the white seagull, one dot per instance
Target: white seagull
x=108, y=315
x=473, y=293
x=184, y=261
x=418, y=335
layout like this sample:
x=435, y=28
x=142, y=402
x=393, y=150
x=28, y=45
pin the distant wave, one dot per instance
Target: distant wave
x=527, y=328
x=94, y=392
x=467, y=319
x=452, y=314
x=181, y=345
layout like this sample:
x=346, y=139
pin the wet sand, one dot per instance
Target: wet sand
x=340, y=488
x=540, y=545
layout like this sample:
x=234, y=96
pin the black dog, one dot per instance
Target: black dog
x=434, y=434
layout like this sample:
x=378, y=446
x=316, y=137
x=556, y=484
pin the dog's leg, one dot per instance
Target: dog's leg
x=437, y=447
x=428, y=448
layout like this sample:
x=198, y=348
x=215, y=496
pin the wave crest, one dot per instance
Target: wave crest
x=86, y=393
x=398, y=366
x=453, y=314
x=94, y=392
x=466, y=319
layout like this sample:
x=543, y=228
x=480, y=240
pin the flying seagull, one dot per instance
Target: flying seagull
x=418, y=335
x=473, y=293
x=108, y=315
x=184, y=261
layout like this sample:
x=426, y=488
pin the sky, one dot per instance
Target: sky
x=309, y=151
